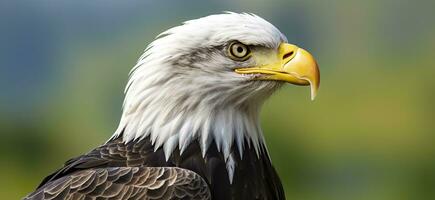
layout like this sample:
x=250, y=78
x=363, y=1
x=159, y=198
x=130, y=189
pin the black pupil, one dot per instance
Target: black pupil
x=239, y=49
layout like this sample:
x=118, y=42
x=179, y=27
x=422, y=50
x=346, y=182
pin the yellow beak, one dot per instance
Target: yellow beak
x=294, y=65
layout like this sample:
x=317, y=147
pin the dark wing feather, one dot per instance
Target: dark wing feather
x=112, y=154
x=254, y=176
x=126, y=183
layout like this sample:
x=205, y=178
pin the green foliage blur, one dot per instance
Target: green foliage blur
x=368, y=135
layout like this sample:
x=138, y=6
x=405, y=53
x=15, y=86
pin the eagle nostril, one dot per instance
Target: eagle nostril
x=288, y=54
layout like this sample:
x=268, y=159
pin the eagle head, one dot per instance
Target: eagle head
x=206, y=80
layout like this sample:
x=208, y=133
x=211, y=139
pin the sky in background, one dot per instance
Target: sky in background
x=368, y=135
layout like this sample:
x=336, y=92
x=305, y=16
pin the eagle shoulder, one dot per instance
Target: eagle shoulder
x=126, y=183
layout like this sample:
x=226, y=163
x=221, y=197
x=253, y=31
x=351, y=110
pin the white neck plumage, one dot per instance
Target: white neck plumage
x=174, y=111
x=171, y=123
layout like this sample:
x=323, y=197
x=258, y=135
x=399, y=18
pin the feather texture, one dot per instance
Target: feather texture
x=159, y=183
x=253, y=177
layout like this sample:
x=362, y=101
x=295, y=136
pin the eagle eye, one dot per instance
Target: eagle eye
x=238, y=51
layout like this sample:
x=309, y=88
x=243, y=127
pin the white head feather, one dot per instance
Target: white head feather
x=184, y=87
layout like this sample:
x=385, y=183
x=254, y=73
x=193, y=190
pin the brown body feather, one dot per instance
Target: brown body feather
x=135, y=170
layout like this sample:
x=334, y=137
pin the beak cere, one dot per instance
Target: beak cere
x=295, y=65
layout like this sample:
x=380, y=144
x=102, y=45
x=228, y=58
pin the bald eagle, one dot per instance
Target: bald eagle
x=190, y=122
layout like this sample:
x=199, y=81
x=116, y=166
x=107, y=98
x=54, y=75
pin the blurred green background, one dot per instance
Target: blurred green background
x=369, y=134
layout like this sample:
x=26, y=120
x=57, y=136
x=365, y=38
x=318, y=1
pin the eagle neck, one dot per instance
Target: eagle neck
x=169, y=126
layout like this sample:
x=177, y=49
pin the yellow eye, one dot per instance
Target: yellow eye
x=239, y=51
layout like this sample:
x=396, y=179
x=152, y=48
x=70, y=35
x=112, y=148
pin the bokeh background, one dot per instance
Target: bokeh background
x=369, y=134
